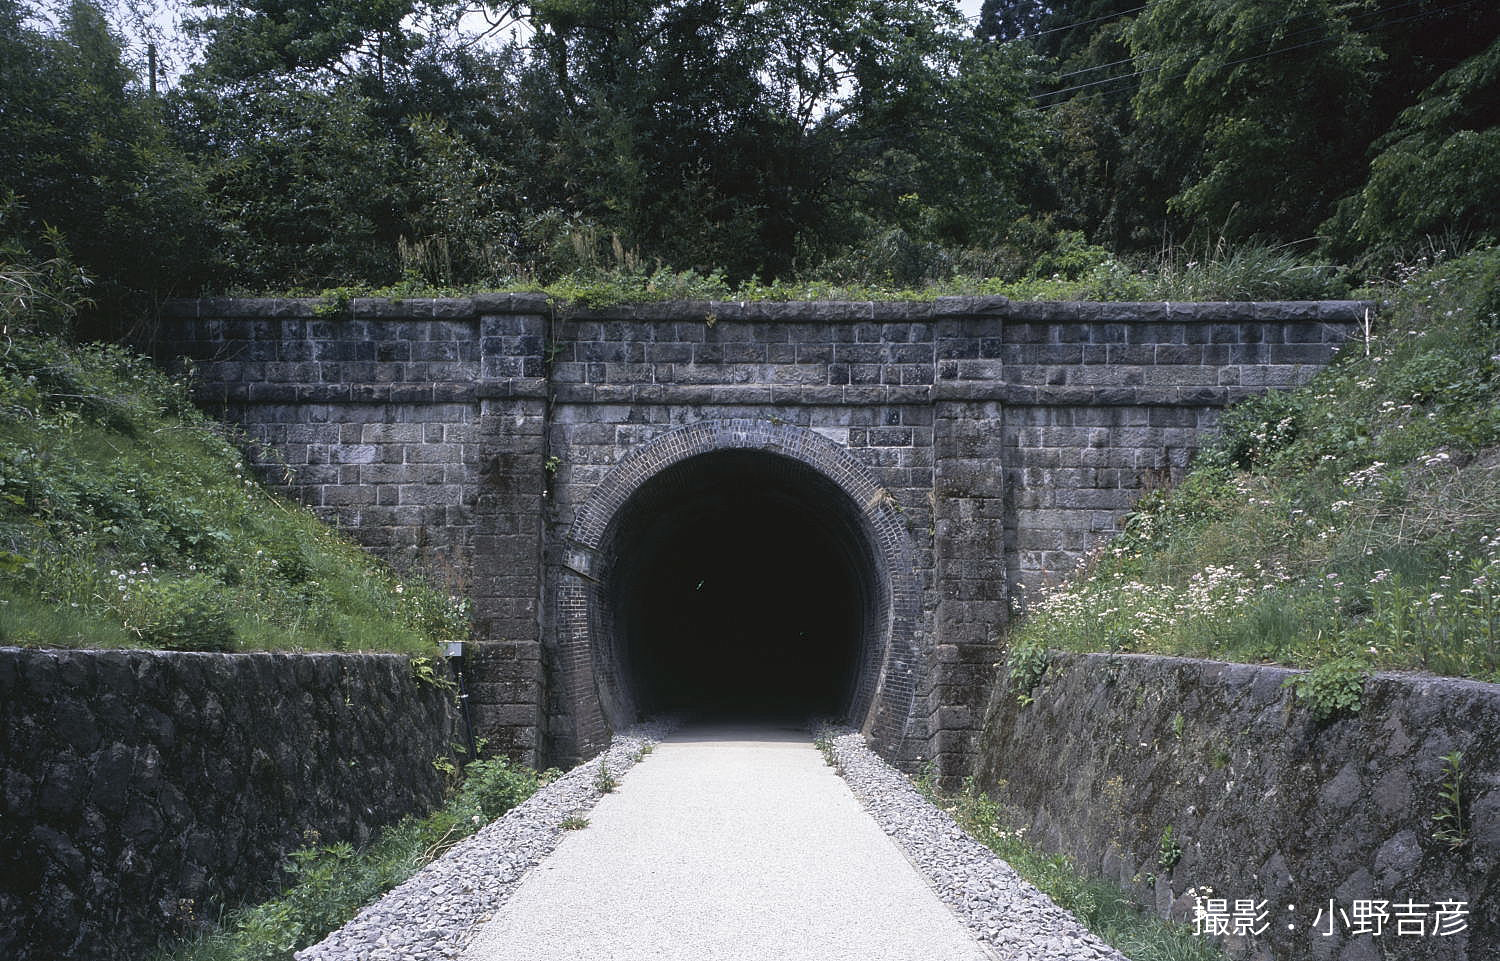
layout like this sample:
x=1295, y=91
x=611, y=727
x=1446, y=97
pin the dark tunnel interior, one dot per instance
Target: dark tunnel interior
x=742, y=585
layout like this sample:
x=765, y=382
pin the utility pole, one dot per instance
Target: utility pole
x=151, y=67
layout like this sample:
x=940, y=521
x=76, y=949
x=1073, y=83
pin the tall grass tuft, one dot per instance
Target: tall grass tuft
x=1244, y=271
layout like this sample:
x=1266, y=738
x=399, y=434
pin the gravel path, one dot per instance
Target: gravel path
x=1001, y=909
x=432, y=913
x=728, y=844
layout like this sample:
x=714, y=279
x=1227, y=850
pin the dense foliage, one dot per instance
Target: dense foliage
x=1353, y=523
x=883, y=143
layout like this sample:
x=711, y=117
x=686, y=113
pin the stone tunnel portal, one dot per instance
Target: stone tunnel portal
x=743, y=583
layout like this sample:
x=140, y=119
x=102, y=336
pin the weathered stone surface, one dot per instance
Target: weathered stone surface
x=464, y=437
x=1265, y=803
x=142, y=787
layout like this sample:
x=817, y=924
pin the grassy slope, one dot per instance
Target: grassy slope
x=126, y=519
x=1353, y=523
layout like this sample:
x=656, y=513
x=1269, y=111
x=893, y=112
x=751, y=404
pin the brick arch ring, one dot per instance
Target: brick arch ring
x=884, y=703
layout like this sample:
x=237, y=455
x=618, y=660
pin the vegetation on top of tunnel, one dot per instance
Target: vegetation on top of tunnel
x=128, y=518
x=1353, y=523
x=1102, y=906
x=1070, y=270
x=326, y=885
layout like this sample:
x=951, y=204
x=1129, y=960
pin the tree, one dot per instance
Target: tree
x=253, y=38
x=1260, y=103
x=1009, y=20
x=85, y=152
x=753, y=137
x=307, y=185
x=1436, y=173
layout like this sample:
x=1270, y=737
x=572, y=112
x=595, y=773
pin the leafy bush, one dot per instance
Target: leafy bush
x=1332, y=689
x=1024, y=666
x=1435, y=172
x=1253, y=432
x=181, y=613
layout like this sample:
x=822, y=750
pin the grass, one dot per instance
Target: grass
x=127, y=518
x=1100, y=905
x=1082, y=272
x=329, y=884
x=1354, y=522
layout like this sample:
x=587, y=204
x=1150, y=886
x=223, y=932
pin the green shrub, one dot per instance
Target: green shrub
x=1332, y=689
x=179, y=613
x=1168, y=852
x=1252, y=433
x=1025, y=664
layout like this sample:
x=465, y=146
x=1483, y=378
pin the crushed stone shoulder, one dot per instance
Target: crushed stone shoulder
x=1001, y=909
x=431, y=914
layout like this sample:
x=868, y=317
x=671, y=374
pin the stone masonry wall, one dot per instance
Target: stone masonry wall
x=1264, y=803
x=139, y=789
x=416, y=426
x=1105, y=400
x=462, y=436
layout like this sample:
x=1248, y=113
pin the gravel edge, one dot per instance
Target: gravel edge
x=1001, y=909
x=431, y=915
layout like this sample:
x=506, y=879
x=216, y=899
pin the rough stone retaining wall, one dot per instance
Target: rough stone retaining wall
x=1264, y=802
x=138, y=788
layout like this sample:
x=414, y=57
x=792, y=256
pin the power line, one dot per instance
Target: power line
x=1070, y=26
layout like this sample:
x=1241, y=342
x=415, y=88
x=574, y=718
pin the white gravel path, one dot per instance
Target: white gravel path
x=727, y=845
x=429, y=916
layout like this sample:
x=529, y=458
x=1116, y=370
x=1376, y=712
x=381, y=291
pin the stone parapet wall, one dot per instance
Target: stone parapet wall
x=142, y=789
x=1264, y=802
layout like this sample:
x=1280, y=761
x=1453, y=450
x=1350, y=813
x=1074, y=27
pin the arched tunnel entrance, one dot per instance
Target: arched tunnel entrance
x=741, y=583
